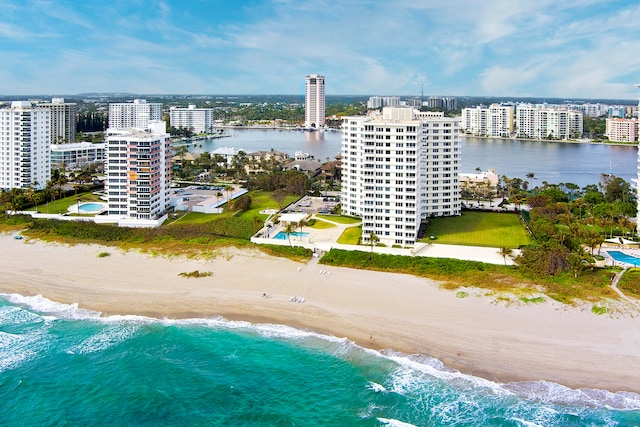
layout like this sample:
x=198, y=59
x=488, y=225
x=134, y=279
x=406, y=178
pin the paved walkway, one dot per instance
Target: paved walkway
x=614, y=286
x=326, y=239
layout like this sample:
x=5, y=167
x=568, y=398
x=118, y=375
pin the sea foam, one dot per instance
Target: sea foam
x=401, y=382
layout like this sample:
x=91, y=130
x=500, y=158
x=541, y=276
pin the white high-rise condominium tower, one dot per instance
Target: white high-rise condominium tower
x=399, y=168
x=25, y=139
x=138, y=173
x=314, y=102
x=497, y=120
x=137, y=114
x=63, y=120
x=199, y=120
x=543, y=123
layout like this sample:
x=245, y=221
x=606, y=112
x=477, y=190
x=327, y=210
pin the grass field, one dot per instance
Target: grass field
x=341, y=219
x=260, y=200
x=350, y=236
x=479, y=229
x=320, y=224
x=60, y=206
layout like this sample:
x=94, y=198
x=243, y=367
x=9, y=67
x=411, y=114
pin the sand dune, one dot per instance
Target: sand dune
x=545, y=341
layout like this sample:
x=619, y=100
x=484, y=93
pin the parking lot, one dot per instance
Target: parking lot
x=313, y=205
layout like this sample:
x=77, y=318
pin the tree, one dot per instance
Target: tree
x=505, y=252
x=288, y=229
x=279, y=196
x=301, y=224
x=242, y=203
x=576, y=261
x=593, y=239
x=229, y=189
x=33, y=196
x=373, y=239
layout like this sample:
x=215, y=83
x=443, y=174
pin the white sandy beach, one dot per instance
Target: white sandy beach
x=546, y=341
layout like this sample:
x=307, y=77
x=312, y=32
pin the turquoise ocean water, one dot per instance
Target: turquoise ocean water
x=60, y=365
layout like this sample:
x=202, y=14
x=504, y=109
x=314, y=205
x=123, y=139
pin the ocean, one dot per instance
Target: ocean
x=63, y=365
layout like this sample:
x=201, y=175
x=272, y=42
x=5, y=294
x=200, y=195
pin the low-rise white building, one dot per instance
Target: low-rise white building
x=481, y=184
x=398, y=169
x=76, y=155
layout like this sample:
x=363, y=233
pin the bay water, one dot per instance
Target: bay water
x=62, y=365
x=554, y=162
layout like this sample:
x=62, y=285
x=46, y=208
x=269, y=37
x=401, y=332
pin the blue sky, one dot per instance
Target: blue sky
x=542, y=48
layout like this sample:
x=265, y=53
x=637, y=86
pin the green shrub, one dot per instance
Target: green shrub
x=103, y=254
x=535, y=300
x=196, y=274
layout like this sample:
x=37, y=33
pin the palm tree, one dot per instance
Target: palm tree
x=32, y=195
x=517, y=200
x=288, y=229
x=229, y=189
x=576, y=261
x=505, y=252
x=373, y=239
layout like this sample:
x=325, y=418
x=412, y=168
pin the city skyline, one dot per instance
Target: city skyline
x=585, y=49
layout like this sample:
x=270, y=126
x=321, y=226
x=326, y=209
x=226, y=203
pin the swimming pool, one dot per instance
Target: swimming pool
x=622, y=257
x=91, y=207
x=283, y=236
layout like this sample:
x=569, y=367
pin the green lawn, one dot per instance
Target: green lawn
x=260, y=200
x=479, y=229
x=60, y=206
x=341, y=219
x=350, y=236
x=320, y=224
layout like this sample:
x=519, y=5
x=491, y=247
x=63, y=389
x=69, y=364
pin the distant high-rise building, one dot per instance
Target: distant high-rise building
x=199, y=120
x=64, y=116
x=314, y=105
x=374, y=102
x=24, y=146
x=496, y=120
x=137, y=114
x=399, y=168
x=622, y=130
x=138, y=173
x=391, y=101
x=435, y=102
x=542, y=123
x=617, y=111
x=450, y=103
x=413, y=102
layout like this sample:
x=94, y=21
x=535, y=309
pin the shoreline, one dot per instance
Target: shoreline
x=557, y=141
x=549, y=341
